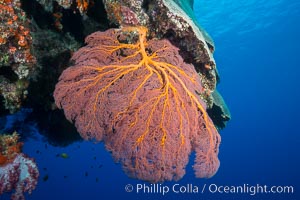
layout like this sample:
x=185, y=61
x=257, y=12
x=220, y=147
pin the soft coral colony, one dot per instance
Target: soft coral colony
x=18, y=173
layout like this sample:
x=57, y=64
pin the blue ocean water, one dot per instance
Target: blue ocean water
x=257, y=54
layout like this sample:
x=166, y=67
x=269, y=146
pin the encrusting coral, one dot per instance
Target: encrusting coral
x=142, y=100
x=17, y=63
x=81, y=5
x=10, y=147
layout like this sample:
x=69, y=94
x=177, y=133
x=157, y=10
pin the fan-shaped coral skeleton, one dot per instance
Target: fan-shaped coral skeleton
x=141, y=99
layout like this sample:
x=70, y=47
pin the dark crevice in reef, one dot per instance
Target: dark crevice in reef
x=98, y=13
x=51, y=122
x=3, y=111
x=35, y=11
x=145, y=5
x=44, y=84
x=71, y=21
x=8, y=73
x=219, y=112
x=56, y=129
x=217, y=116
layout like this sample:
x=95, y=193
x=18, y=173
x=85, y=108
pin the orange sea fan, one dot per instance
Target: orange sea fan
x=142, y=100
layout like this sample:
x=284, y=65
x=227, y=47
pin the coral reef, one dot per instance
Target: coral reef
x=16, y=60
x=70, y=21
x=141, y=99
x=52, y=50
x=150, y=96
x=18, y=173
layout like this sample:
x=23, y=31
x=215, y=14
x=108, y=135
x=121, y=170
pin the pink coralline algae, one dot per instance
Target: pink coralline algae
x=126, y=12
x=142, y=100
x=19, y=176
